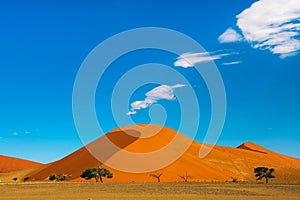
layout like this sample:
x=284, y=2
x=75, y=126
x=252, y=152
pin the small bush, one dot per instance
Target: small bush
x=59, y=177
x=52, y=177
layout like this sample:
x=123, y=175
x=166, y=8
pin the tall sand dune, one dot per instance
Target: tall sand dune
x=220, y=164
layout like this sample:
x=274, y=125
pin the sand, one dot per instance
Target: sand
x=220, y=164
x=141, y=191
x=9, y=164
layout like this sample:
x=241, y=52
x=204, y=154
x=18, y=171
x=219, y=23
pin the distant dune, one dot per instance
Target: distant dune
x=220, y=164
x=9, y=164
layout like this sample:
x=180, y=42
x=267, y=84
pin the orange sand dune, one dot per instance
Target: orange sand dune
x=220, y=164
x=9, y=164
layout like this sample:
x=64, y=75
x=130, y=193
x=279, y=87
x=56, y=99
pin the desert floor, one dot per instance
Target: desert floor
x=142, y=191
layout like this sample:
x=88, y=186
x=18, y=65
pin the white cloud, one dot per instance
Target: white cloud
x=232, y=63
x=15, y=133
x=187, y=60
x=230, y=35
x=177, y=86
x=273, y=25
x=131, y=113
x=161, y=92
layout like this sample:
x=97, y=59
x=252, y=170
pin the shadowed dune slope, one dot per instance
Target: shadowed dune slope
x=10, y=164
x=220, y=164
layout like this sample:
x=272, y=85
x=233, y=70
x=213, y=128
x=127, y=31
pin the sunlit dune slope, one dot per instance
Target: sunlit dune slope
x=220, y=164
x=10, y=164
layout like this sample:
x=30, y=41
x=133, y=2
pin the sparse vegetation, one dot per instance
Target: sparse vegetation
x=145, y=191
x=157, y=176
x=97, y=173
x=15, y=179
x=63, y=177
x=264, y=172
x=186, y=177
x=26, y=178
x=52, y=177
x=59, y=177
x=234, y=179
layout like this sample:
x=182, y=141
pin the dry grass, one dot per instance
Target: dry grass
x=141, y=191
x=8, y=177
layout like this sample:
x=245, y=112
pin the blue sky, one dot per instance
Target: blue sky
x=43, y=44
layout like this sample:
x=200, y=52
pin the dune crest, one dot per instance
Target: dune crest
x=253, y=147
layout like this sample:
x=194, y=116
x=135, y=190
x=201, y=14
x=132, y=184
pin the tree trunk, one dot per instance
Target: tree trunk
x=97, y=179
x=267, y=181
x=101, y=179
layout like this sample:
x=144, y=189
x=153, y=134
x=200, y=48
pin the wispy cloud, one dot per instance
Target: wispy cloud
x=161, y=92
x=131, y=113
x=273, y=25
x=232, y=63
x=230, y=35
x=187, y=60
x=15, y=133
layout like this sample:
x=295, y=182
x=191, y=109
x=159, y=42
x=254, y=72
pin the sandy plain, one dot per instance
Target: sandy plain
x=142, y=191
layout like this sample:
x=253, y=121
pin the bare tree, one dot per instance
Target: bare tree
x=157, y=176
x=234, y=179
x=186, y=177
